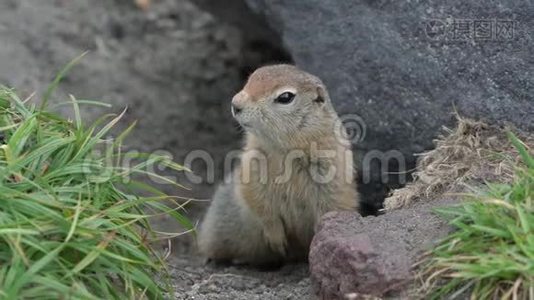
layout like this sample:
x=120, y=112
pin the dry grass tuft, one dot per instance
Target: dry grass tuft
x=473, y=153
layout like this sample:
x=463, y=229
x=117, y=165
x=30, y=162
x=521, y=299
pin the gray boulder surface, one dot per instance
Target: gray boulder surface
x=405, y=66
x=383, y=60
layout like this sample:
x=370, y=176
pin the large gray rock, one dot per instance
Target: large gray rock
x=373, y=255
x=403, y=65
x=385, y=61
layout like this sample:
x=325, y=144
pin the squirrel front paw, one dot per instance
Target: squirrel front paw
x=276, y=239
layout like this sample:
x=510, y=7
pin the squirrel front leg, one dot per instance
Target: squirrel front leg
x=253, y=180
x=274, y=233
x=273, y=227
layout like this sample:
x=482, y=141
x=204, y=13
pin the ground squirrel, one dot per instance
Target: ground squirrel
x=295, y=167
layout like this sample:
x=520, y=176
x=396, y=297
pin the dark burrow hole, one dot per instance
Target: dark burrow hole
x=381, y=183
x=257, y=53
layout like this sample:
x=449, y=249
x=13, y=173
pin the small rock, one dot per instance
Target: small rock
x=371, y=256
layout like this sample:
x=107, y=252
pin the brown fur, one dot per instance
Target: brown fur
x=277, y=184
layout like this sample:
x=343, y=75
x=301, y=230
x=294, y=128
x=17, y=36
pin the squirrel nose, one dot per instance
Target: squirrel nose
x=236, y=109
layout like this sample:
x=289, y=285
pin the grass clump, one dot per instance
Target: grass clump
x=72, y=223
x=490, y=255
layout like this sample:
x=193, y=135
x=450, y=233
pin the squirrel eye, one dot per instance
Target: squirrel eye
x=285, y=98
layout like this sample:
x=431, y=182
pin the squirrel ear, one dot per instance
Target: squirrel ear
x=321, y=95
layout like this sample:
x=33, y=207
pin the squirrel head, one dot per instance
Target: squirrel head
x=282, y=104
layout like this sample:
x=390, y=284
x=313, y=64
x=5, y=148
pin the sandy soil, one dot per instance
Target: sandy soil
x=195, y=280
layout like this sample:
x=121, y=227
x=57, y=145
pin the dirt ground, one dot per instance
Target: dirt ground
x=195, y=280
